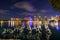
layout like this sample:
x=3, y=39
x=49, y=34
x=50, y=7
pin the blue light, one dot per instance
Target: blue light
x=30, y=21
x=57, y=27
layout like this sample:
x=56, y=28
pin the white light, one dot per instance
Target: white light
x=12, y=23
x=1, y=23
x=56, y=23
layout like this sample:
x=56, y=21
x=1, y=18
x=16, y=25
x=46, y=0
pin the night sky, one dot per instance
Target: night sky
x=23, y=8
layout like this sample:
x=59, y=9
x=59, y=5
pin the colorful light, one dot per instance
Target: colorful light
x=57, y=27
x=12, y=22
x=30, y=21
x=2, y=23
x=16, y=22
x=8, y=23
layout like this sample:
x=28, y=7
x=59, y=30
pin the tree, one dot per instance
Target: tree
x=55, y=4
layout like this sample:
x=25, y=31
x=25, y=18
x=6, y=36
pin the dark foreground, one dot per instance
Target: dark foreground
x=29, y=36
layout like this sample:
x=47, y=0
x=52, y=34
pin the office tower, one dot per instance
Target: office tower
x=1, y=23
x=52, y=18
x=45, y=22
x=9, y=22
x=39, y=23
x=47, y=30
x=26, y=21
x=16, y=24
x=12, y=22
x=30, y=22
x=20, y=22
x=35, y=21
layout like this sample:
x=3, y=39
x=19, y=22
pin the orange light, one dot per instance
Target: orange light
x=2, y=23
x=16, y=22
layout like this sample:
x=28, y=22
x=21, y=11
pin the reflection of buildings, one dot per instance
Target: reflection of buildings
x=35, y=21
x=1, y=23
x=5, y=24
x=54, y=21
x=15, y=22
x=12, y=22
x=59, y=21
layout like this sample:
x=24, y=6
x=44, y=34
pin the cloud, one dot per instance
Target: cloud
x=25, y=5
x=43, y=11
x=2, y=11
x=24, y=14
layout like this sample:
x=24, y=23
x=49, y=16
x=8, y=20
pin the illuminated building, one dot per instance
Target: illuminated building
x=45, y=22
x=54, y=21
x=16, y=22
x=9, y=22
x=58, y=21
x=26, y=19
x=39, y=22
x=30, y=22
x=35, y=21
x=12, y=22
x=57, y=25
x=1, y=23
x=52, y=18
x=47, y=30
x=20, y=22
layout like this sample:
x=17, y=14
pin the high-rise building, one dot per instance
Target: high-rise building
x=16, y=24
x=1, y=23
x=12, y=22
